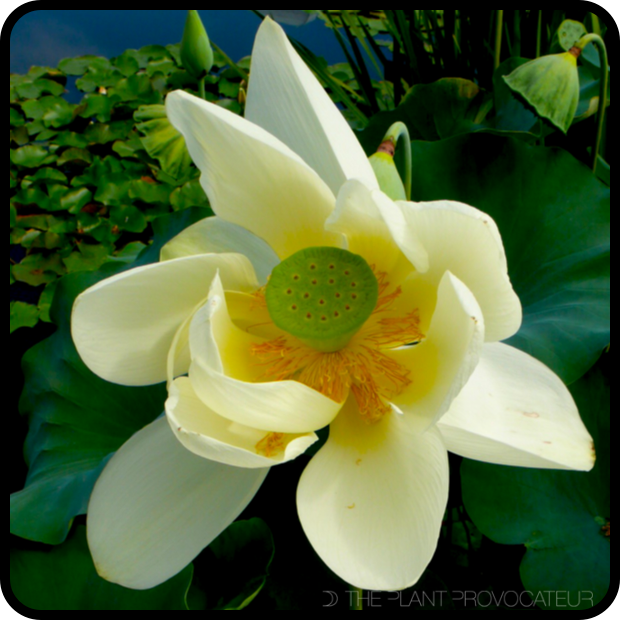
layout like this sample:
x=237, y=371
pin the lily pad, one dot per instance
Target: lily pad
x=554, y=217
x=23, y=315
x=65, y=579
x=559, y=516
x=77, y=421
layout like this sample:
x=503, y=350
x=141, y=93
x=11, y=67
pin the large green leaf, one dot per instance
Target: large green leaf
x=234, y=569
x=553, y=214
x=77, y=420
x=558, y=515
x=65, y=579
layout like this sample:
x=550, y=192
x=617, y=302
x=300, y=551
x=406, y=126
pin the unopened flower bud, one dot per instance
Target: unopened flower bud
x=196, y=51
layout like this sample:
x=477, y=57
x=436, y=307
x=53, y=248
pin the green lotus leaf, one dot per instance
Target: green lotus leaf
x=65, y=579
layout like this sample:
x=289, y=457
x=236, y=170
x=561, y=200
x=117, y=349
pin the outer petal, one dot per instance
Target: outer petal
x=370, y=221
x=123, y=327
x=213, y=235
x=444, y=361
x=156, y=506
x=211, y=436
x=373, y=499
x=515, y=411
x=224, y=375
x=286, y=99
x=466, y=242
x=251, y=178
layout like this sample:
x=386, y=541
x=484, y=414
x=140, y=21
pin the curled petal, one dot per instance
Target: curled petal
x=213, y=235
x=205, y=433
x=156, y=506
x=465, y=241
x=252, y=179
x=224, y=374
x=372, y=501
x=124, y=326
x=515, y=411
x=444, y=361
x=286, y=99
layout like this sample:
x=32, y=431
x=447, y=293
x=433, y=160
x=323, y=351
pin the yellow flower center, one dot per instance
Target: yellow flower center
x=361, y=367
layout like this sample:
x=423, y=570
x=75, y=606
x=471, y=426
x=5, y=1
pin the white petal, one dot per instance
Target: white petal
x=213, y=235
x=467, y=242
x=224, y=375
x=123, y=326
x=445, y=360
x=516, y=411
x=156, y=506
x=373, y=499
x=370, y=221
x=252, y=179
x=211, y=436
x=286, y=99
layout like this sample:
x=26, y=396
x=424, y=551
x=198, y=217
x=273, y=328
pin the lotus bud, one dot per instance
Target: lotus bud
x=382, y=163
x=196, y=51
x=550, y=84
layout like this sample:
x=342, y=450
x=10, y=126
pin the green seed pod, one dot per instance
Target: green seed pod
x=322, y=296
x=196, y=51
x=550, y=84
x=382, y=163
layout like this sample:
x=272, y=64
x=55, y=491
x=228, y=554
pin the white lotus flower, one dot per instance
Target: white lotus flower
x=416, y=373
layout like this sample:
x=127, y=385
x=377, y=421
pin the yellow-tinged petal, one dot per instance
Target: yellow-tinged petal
x=444, y=361
x=286, y=99
x=252, y=179
x=213, y=235
x=224, y=374
x=156, y=506
x=123, y=327
x=465, y=241
x=516, y=411
x=369, y=221
x=205, y=433
x=373, y=499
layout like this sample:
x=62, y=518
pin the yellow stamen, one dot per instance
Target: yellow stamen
x=271, y=444
x=360, y=368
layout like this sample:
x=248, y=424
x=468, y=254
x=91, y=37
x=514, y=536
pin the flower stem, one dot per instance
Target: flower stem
x=201, y=88
x=398, y=131
x=238, y=70
x=604, y=82
x=358, y=596
x=539, y=35
x=498, y=38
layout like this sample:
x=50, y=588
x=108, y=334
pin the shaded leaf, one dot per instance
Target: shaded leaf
x=65, y=579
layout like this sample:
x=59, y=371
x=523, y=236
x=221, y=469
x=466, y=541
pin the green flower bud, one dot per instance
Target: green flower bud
x=382, y=163
x=550, y=84
x=196, y=51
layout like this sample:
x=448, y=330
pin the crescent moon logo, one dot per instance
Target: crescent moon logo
x=334, y=598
